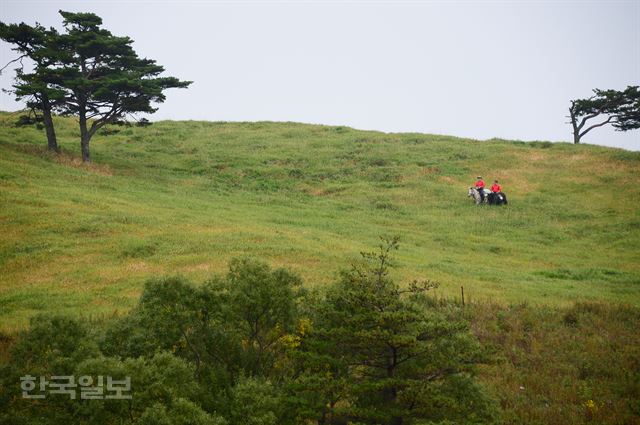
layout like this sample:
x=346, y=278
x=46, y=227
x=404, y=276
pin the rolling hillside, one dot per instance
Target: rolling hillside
x=185, y=197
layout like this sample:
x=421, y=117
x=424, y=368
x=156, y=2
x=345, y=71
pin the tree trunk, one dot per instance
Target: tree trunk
x=390, y=394
x=84, y=145
x=576, y=138
x=574, y=124
x=47, y=119
x=84, y=138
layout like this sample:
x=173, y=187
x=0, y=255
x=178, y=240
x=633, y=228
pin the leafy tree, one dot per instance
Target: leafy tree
x=241, y=322
x=162, y=385
x=51, y=346
x=176, y=316
x=255, y=401
x=621, y=109
x=263, y=305
x=162, y=389
x=179, y=412
x=53, y=343
x=39, y=45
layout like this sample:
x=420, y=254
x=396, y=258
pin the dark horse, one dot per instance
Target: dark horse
x=497, y=198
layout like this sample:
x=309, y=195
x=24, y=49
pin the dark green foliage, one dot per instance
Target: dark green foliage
x=397, y=359
x=172, y=315
x=251, y=348
x=622, y=109
x=28, y=120
x=255, y=401
x=143, y=122
x=541, y=145
x=179, y=412
x=224, y=326
x=36, y=88
x=54, y=344
x=160, y=384
x=263, y=305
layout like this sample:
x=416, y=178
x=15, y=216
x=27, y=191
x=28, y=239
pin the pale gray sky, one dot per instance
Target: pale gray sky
x=472, y=69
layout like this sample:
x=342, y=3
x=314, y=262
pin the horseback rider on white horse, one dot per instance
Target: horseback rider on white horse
x=480, y=188
x=475, y=194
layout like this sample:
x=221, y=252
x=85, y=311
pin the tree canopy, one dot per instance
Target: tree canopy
x=397, y=361
x=253, y=347
x=39, y=44
x=88, y=71
x=621, y=109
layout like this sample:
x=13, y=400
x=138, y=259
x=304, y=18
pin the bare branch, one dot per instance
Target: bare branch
x=19, y=58
x=611, y=118
x=586, y=118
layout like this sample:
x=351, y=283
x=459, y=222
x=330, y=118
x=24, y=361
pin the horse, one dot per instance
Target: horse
x=497, y=198
x=473, y=193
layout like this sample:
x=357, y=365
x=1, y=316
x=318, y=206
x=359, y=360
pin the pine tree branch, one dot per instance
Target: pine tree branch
x=19, y=58
x=611, y=118
x=586, y=118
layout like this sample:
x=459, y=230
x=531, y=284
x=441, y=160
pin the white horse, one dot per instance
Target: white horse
x=475, y=194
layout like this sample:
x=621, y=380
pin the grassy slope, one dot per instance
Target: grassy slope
x=184, y=197
x=561, y=365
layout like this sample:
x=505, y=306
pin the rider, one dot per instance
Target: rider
x=480, y=187
x=495, y=190
x=495, y=187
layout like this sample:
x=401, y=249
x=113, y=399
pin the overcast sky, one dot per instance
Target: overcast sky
x=472, y=69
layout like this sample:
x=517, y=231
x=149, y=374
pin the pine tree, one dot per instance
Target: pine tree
x=399, y=360
x=621, y=108
x=40, y=46
x=103, y=78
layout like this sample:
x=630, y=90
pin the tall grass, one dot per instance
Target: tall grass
x=562, y=366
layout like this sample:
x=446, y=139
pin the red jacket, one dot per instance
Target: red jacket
x=495, y=188
x=480, y=184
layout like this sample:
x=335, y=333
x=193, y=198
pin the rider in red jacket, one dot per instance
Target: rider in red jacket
x=480, y=187
x=496, y=194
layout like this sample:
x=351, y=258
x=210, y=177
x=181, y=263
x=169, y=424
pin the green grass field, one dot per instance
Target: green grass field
x=552, y=281
x=185, y=197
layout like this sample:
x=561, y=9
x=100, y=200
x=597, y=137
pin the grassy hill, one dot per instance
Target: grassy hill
x=555, y=275
x=185, y=197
